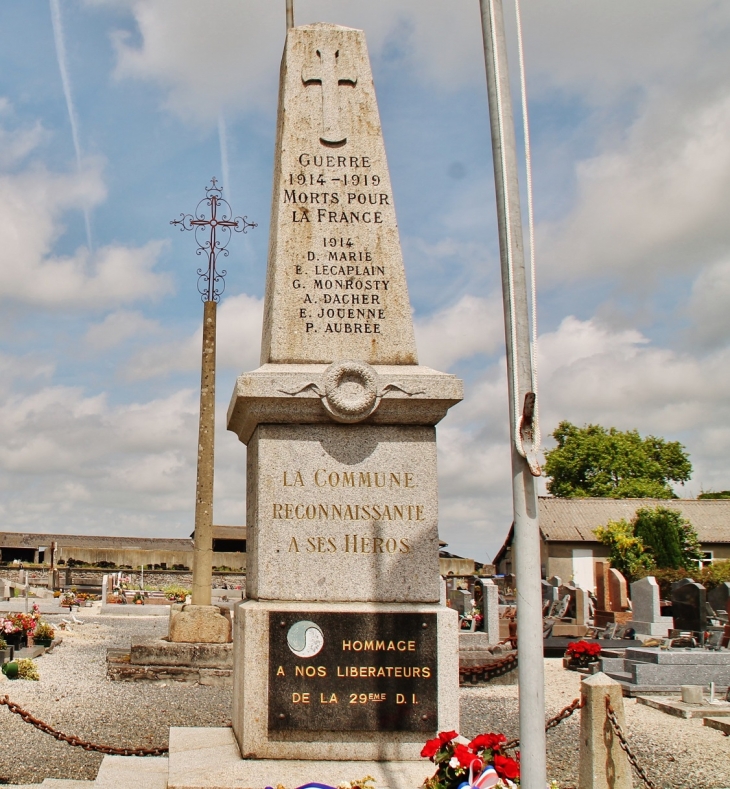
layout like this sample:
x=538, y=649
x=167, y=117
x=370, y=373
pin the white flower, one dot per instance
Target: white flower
x=454, y=763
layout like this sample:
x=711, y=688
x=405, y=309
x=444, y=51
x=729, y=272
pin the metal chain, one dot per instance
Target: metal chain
x=77, y=741
x=564, y=714
x=616, y=726
x=495, y=668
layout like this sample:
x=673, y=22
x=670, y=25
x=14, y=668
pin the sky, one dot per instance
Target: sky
x=115, y=114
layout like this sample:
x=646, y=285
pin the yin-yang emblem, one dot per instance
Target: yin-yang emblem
x=305, y=638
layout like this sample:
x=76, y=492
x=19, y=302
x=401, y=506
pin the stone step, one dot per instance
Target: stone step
x=620, y=676
x=132, y=772
x=721, y=724
x=208, y=758
x=66, y=783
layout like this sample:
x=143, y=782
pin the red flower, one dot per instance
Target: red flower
x=467, y=758
x=506, y=767
x=432, y=747
x=488, y=741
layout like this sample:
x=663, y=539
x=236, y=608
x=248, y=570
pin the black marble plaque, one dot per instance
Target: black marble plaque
x=352, y=672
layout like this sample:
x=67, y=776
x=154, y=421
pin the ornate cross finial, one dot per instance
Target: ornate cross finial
x=329, y=69
x=211, y=282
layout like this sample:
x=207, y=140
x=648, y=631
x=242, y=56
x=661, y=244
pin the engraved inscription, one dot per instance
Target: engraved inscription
x=344, y=287
x=352, y=672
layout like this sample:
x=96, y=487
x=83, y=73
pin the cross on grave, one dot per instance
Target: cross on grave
x=330, y=69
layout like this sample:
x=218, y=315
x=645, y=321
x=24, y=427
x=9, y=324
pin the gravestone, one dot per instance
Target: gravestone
x=577, y=609
x=719, y=596
x=490, y=609
x=618, y=588
x=603, y=590
x=460, y=601
x=342, y=649
x=612, y=600
x=688, y=606
x=549, y=591
x=645, y=600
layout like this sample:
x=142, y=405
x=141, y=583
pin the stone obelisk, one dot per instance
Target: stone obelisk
x=343, y=650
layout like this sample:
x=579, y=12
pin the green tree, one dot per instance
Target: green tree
x=710, y=494
x=593, y=461
x=627, y=551
x=668, y=537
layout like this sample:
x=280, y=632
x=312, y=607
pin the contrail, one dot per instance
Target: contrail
x=223, y=143
x=66, y=82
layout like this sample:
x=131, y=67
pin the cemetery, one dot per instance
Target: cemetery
x=334, y=651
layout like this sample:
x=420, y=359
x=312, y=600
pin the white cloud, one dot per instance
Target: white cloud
x=33, y=203
x=118, y=327
x=587, y=373
x=653, y=203
x=225, y=55
x=238, y=343
x=473, y=325
x=709, y=305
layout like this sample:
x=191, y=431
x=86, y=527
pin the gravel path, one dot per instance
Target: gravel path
x=676, y=753
x=75, y=696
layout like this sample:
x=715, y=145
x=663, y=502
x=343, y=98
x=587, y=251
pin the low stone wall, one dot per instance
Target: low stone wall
x=91, y=576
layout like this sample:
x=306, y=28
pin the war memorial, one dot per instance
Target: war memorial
x=347, y=651
x=343, y=651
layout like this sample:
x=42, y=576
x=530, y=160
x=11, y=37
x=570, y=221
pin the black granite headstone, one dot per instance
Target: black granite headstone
x=688, y=606
x=719, y=596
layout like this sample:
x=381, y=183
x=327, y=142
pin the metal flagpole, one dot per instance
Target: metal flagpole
x=289, y=14
x=521, y=402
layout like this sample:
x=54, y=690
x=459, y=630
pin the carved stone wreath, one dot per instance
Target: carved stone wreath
x=349, y=390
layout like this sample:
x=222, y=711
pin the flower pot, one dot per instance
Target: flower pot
x=17, y=639
x=43, y=642
x=11, y=670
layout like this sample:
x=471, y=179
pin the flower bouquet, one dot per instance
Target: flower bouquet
x=44, y=634
x=580, y=653
x=481, y=764
x=472, y=619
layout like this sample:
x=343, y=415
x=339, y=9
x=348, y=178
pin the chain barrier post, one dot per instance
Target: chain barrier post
x=619, y=732
x=603, y=764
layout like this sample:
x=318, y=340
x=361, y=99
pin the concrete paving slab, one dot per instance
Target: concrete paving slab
x=208, y=758
x=679, y=709
x=132, y=772
x=721, y=724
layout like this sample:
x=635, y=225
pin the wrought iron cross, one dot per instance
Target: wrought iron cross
x=211, y=281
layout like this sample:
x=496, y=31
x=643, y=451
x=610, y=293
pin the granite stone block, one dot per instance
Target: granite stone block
x=251, y=690
x=343, y=513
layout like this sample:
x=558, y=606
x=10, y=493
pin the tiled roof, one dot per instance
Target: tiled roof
x=573, y=520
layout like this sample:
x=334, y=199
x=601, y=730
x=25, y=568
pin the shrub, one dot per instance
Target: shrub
x=27, y=669
x=627, y=551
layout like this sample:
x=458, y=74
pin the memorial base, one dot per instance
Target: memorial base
x=604, y=618
x=367, y=682
x=209, y=758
